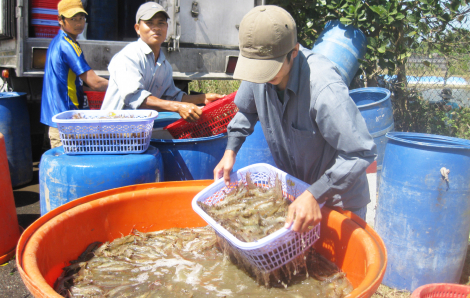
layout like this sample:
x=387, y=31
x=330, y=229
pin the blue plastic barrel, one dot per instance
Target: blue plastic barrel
x=254, y=150
x=165, y=118
x=64, y=178
x=343, y=45
x=376, y=108
x=422, y=217
x=14, y=125
x=102, y=20
x=191, y=159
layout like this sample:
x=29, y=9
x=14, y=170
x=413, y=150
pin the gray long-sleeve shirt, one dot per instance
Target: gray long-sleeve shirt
x=134, y=75
x=316, y=134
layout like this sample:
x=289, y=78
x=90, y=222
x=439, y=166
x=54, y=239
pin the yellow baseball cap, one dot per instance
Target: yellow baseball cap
x=69, y=8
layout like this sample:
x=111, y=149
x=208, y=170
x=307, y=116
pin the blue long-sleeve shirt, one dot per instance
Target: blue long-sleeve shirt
x=316, y=133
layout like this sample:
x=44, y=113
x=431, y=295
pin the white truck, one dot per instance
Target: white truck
x=202, y=42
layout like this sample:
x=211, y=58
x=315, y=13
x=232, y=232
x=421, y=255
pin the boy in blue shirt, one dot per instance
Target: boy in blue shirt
x=66, y=69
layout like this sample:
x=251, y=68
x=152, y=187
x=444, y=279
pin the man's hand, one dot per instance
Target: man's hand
x=304, y=213
x=225, y=166
x=210, y=97
x=189, y=111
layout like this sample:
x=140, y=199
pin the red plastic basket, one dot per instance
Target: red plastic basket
x=95, y=99
x=213, y=121
x=442, y=291
x=45, y=31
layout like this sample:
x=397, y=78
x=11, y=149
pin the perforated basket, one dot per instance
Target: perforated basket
x=276, y=249
x=93, y=135
x=441, y=290
x=213, y=121
x=95, y=99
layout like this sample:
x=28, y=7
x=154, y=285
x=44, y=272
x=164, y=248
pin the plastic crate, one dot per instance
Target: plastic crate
x=95, y=99
x=441, y=290
x=213, y=121
x=45, y=31
x=276, y=249
x=93, y=135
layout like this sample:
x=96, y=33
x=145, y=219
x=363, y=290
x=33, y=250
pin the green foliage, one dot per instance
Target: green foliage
x=393, y=27
x=425, y=117
x=214, y=86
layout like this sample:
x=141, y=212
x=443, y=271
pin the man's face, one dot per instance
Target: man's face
x=282, y=77
x=283, y=72
x=74, y=25
x=153, y=31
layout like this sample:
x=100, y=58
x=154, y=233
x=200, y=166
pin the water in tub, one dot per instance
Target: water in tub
x=196, y=263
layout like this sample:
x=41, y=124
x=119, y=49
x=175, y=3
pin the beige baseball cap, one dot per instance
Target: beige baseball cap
x=147, y=10
x=69, y=8
x=267, y=34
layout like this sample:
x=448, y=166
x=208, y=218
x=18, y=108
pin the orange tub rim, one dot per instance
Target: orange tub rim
x=36, y=282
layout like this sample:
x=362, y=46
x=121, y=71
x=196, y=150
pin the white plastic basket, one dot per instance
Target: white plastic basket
x=92, y=135
x=276, y=249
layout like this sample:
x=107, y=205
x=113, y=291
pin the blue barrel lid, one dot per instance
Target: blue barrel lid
x=165, y=118
x=11, y=94
x=429, y=140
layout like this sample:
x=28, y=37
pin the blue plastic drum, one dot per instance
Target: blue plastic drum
x=344, y=46
x=376, y=108
x=64, y=178
x=165, y=118
x=254, y=150
x=14, y=125
x=191, y=159
x=423, y=209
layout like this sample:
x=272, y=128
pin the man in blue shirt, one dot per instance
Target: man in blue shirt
x=313, y=128
x=446, y=104
x=66, y=69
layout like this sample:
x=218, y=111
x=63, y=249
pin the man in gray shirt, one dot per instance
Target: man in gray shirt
x=142, y=78
x=313, y=128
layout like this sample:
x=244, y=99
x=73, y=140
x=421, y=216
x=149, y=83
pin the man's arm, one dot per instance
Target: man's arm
x=94, y=81
x=201, y=98
x=188, y=111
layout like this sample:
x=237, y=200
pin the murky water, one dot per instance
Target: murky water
x=190, y=263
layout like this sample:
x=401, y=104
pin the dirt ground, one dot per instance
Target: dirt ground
x=28, y=210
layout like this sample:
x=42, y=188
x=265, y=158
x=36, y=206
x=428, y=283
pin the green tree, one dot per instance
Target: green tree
x=394, y=29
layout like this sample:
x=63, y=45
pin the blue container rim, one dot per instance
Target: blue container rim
x=384, y=91
x=169, y=141
x=11, y=94
x=429, y=140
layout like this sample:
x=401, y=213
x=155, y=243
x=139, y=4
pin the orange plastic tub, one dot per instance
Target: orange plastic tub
x=9, y=229
x=63, y=234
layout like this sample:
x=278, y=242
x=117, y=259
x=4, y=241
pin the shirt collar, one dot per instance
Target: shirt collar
x=145, y=47
x=147, y=50
x=294, y=75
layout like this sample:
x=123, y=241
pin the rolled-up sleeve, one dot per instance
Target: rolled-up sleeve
x=343, y=127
